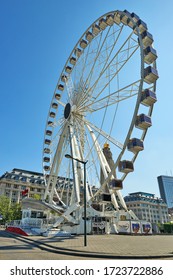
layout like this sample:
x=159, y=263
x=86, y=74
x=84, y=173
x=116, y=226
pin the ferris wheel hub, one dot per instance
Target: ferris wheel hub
x=67, y=111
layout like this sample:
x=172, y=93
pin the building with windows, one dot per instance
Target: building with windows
x=147, y=207
x=18, y=181
x=166, y=189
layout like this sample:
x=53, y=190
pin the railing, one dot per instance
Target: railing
x=33, y=222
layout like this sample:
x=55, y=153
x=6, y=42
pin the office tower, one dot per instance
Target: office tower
x=166, y=189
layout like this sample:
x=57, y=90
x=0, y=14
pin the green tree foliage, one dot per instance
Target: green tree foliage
x=16, y=211
x=9, y=211
x=36, y=196
x=168, y=228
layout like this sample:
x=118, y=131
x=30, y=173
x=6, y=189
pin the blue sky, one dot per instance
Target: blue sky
x=36, y=39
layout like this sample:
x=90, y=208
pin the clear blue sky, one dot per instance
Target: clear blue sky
x=36, y=39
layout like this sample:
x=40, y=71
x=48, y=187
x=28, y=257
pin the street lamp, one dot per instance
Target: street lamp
x=84, y=163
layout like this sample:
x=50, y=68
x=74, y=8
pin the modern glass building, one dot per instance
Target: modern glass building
x=166, y=189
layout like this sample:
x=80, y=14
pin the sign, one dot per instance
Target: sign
x=100, y=225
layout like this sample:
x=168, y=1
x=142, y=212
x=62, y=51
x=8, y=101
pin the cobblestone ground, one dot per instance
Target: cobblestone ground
x=100, y=246
x=119, y=245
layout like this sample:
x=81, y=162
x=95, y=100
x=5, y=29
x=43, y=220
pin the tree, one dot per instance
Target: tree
x=36, y=196
x=16, y=211
x=9, y=211
x=5, y=209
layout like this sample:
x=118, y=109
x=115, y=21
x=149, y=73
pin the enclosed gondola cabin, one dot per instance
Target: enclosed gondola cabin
x=105, y=197
x=117, y=19
x=102, y=23
x=73, y=60
x=110, y=19
x=64, y=78
x=125, y=166
x=46, y=168
x=78, y=52
x=125, y=16
x=46, y=150
x=89, y=36
x=143, y=121
x=68, y=69
x=150, y=55
x=61, y=87
x=147, y=38
x=115, y=184
x=57, y=96
x=130, y=23
x=46, y=159
x=95, y=29
x=150, y=75
x=83, y=44
x=47, y=141
x=50, y=123
x=135, y=17
x=52, y=114
x=142, y=25
x=54, y=105
x=148, y=97
x=48, y=132
x=135, y=145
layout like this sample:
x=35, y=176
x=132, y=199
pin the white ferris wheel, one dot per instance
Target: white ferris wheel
x=100, y=113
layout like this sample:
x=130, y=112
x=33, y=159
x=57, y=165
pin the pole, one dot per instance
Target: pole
x=84, y=195
x=85, y=228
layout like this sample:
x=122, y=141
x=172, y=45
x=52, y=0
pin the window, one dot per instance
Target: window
x=23, y=179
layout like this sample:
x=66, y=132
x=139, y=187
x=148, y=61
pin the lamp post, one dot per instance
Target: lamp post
x=84, y=164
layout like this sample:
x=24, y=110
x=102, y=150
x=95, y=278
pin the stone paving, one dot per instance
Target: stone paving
x=98, y=246
x=114, y=245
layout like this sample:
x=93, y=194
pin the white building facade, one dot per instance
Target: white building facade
x=14, y=182
x=148, y=207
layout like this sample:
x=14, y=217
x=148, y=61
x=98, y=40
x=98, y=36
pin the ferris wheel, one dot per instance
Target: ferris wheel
x=100, y=112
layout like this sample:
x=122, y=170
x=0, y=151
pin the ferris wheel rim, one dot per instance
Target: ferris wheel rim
x=139, y=92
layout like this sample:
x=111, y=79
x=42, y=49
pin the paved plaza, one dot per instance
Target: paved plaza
x=98, y=246
x=108, y=246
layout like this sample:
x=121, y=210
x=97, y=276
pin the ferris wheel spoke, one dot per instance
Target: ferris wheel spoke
x=98, y=53
x=98, y=57
x=105, y=135
x=105, y=85
x=61, y=103
x=55, y=140
x=94, y=54
x=93, y=160
x=113, y=98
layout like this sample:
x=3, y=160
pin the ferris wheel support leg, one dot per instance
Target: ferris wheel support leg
x=66, y=215
x=104, y=164
x=79, y=155
x=121, y=200
x=76, y=170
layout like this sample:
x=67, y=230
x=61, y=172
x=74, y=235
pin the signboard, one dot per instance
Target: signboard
x=100, y=225
x=124, y=226
x=135, y=227
x=146, y=227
